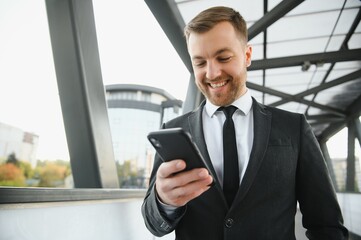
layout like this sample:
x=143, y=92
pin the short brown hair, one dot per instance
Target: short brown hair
x=208, y=18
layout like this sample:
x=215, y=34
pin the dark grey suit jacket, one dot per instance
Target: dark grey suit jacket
x=286, y=166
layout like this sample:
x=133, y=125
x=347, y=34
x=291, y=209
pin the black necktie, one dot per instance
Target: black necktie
x=230, y=156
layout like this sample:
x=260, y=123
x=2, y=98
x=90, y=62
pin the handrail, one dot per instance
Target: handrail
x=37, y=195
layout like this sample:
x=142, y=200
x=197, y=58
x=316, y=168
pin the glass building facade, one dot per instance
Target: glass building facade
x=134, y=111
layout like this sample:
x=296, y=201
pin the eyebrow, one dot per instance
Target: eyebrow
x=220, y=51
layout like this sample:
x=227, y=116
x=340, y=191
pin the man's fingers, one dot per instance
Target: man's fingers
x=167, y=169
x=180, y=188
x=182, y=195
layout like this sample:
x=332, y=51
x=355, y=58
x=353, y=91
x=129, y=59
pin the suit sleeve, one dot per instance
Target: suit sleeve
x=156, y=220
x=322, y=216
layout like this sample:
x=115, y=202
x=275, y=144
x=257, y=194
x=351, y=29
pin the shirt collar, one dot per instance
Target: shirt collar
x=244, y=103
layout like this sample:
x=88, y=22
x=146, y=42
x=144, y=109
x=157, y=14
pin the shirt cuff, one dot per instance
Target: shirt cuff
x=169, y=211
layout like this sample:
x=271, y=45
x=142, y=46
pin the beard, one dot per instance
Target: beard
x=227, y=94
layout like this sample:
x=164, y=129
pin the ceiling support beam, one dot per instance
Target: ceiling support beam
x=349, y=77
x=260, y=88
x=344, y=46
x=317, y=58
x=352, y=30
x=272, y=16
x=354, y=112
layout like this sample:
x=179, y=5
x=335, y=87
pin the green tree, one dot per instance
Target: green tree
x=12, y=159
x=27, y=169
x=51, y=174
x=11, y=175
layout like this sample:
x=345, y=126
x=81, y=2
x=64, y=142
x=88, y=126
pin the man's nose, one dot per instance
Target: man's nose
x=213, y=70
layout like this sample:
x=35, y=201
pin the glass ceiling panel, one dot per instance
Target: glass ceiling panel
x=269, y=99
x=345, y=21
x=294, y=107
x=335, y=74
x=255, y=77
x=273, y=3
x=257, y=39
x=257, y=46
x=353, y=3
x=358, y=28
x=257, y=73
x=317, y=78
x=348, y=65
x=257, y=52
x=355, y=41
x=250, y=10
x=303, y=26
x=335, y=43
x=296, y=70
x=288, y=79
x=315, y=111
x=296, y=81
x=296, y=47
x=316, y=6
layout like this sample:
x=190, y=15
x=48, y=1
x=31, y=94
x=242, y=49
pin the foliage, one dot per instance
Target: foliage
x=11, y=175
x=27, y=169
x=12, y=159
x=21, y=174
x=52, y=173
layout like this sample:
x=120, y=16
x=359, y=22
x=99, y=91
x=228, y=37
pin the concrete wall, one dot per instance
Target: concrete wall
x=90, y=220
x=110, y=219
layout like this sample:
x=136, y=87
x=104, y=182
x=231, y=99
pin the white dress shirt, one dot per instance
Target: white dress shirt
x=213, y=133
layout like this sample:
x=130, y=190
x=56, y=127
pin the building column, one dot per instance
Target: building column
x=350, y=174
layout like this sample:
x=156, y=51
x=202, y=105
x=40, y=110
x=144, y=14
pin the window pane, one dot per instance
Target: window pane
x=337, y=147
x=33, y=148
x=143, y=75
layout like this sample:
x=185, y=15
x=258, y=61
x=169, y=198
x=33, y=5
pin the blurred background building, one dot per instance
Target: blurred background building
x=18, y=143
x=134, y=111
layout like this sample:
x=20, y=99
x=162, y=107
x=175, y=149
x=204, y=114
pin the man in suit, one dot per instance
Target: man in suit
x=278, y=159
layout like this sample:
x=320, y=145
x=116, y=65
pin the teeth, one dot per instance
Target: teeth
x=217, y=85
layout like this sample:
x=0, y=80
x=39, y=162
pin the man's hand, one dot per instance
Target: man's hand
x=177, y=189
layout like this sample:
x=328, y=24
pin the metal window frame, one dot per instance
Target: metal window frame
x=82, y=93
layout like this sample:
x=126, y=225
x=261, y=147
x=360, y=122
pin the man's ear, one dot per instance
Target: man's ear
x=248, y=55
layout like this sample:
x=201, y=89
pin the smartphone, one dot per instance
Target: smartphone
x=175, y=143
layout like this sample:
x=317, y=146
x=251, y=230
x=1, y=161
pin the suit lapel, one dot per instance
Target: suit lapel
x=196, y=130
x=262, y=129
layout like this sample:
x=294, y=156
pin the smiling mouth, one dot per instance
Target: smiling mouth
x=218, y=85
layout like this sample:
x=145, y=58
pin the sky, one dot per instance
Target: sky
x=132, y=47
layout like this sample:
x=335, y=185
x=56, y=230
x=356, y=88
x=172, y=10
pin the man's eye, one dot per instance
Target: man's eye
x=199, y=64
x=224, y=59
